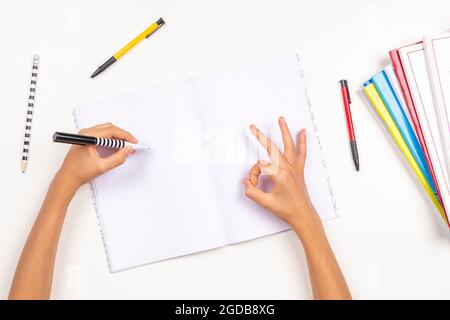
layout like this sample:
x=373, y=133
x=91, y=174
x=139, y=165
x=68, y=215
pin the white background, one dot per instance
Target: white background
x=389, y=240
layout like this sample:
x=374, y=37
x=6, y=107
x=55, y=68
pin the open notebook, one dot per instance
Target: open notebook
x=186, y=194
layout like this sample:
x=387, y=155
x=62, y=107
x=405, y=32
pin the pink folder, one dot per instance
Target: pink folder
x=398, y=68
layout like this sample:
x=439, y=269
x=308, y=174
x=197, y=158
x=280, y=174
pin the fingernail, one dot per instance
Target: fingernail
x=129, y=150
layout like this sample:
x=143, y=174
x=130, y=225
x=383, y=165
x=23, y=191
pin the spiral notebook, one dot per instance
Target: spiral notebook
x=186, y=195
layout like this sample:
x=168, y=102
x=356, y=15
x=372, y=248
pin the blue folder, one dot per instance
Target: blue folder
x=390, y=99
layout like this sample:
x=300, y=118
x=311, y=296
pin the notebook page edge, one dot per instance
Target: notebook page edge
x=319, y=141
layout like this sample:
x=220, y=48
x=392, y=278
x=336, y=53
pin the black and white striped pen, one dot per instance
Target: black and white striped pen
x=79, y=139
x=29, y=116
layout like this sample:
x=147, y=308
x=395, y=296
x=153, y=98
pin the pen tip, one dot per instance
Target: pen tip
x=96, y=72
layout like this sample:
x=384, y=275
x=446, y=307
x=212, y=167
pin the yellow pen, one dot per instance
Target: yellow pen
x=144, y=35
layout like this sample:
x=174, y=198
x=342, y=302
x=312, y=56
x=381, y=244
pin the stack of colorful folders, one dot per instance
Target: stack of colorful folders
x=412, y=97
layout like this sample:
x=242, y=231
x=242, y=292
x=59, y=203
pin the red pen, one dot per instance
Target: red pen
x=348, y=114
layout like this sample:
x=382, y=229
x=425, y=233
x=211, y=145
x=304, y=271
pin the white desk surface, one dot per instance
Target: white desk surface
x=389, y=240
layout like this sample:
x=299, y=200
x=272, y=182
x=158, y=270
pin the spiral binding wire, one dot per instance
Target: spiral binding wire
x=95, y=202
x=316, y=131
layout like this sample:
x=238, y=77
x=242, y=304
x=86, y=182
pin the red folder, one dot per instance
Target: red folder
x=398, y=68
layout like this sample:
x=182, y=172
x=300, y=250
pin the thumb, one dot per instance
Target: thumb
x=116, y=159
x=254, y=193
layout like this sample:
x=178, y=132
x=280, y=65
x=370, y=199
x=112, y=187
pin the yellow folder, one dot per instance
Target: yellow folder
x=374, y=97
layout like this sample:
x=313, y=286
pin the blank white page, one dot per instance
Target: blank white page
x=150, y=209
x=229, y=102
x=415, y=66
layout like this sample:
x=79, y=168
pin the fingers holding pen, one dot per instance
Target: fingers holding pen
x=108, y=130
x=116, y=159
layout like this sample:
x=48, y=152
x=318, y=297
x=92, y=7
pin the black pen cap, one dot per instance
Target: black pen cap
x=70, y=138
x=344, y=83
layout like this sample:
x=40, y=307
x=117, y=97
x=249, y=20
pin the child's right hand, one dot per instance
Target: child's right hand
x=83, y=163
x=289, y=197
